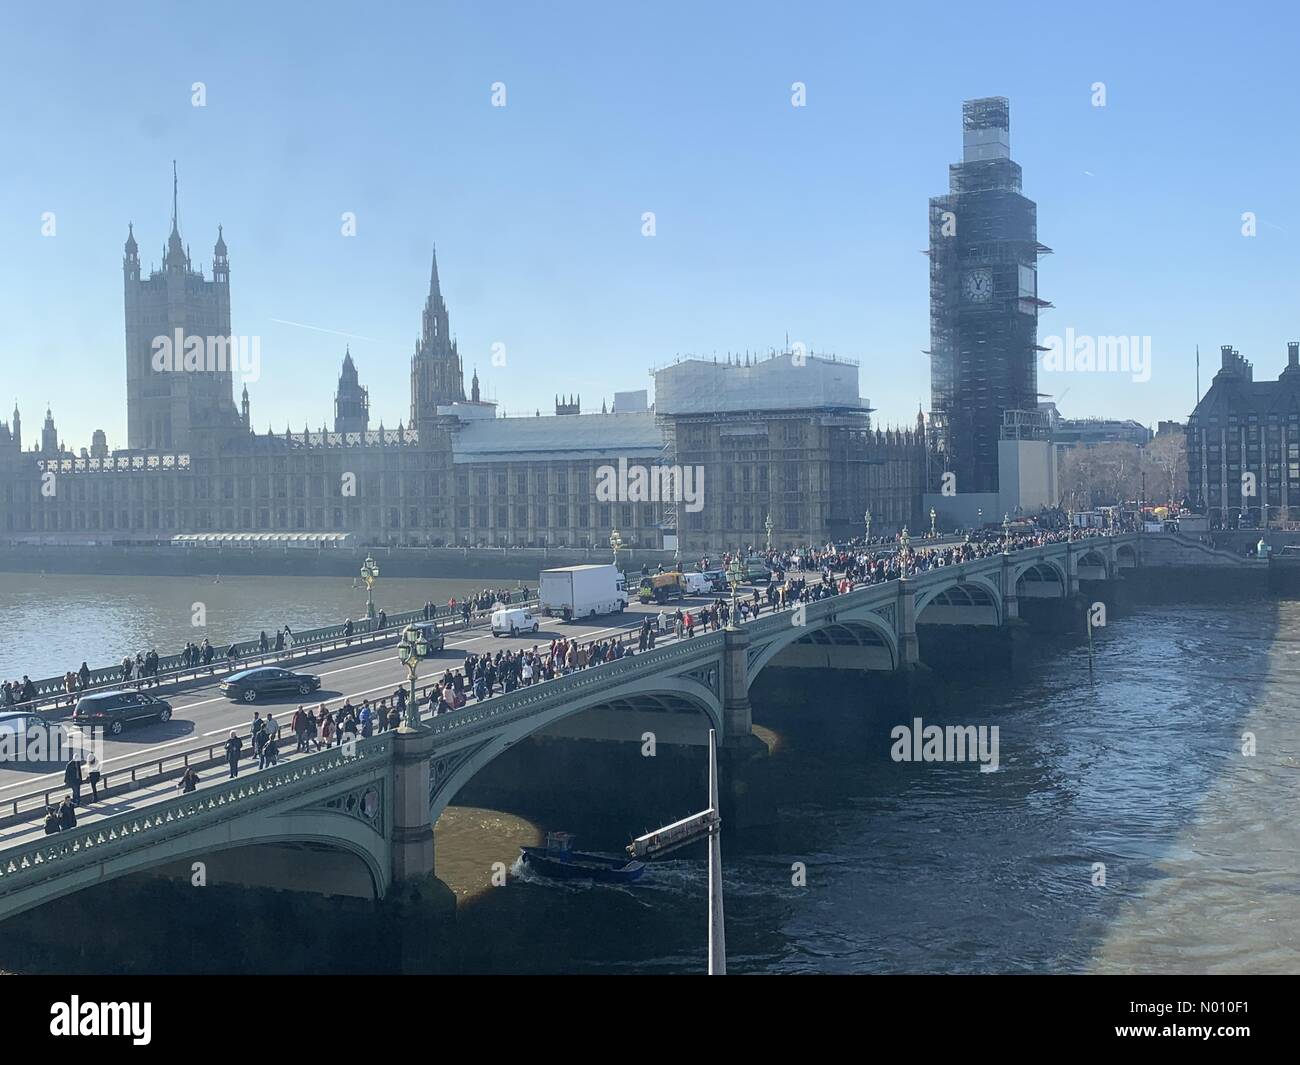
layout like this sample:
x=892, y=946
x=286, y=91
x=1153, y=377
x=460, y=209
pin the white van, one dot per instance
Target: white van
x=697, y=584
x=512, y=620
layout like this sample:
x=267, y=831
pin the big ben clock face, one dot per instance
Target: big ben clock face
x=977, y=286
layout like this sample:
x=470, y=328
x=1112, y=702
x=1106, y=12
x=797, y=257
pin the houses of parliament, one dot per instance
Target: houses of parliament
x=785, y=436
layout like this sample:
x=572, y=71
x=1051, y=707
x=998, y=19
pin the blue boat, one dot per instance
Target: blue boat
x=560, y=861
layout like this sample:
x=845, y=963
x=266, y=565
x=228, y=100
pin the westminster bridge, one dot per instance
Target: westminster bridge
x=377, y=799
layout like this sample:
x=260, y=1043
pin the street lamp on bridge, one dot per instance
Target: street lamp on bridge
x=767, y=527
x=735, y=575
x=1006, y=532
x=932, y=517
x=904, y=550
x=413, y=647
x=616, y=542
x=867, y=518
x=369, y=573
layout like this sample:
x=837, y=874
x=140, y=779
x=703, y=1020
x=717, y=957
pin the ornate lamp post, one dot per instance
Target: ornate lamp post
x=867, y=518
x=735, y=576
x=413, y=647
x=904, y=549
x=932, y=517
x=369, y=573
x=616, y=542
x=1006, y=532
x=767, y=527
x=1069, y=524
x=979, y=518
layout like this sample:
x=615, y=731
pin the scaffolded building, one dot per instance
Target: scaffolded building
x=984, y=301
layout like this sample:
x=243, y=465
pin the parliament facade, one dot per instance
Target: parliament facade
x=785, y=435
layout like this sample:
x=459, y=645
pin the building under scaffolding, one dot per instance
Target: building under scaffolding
x=787, y=438
x=984, y=301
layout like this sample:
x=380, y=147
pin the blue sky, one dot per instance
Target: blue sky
x=771, y=220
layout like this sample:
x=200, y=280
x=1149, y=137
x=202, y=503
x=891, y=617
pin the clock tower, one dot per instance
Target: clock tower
x=983, y=300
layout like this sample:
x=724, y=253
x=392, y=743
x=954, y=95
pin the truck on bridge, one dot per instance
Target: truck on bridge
x=581, y=591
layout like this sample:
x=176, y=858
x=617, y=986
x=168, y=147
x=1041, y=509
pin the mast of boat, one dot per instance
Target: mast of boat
x=717, y=929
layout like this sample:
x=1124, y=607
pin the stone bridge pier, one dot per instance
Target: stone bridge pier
x=742, y=756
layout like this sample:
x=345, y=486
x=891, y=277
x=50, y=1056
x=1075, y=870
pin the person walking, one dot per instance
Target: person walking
x=234, y=746
x=93, y=777
x=188, y=782
x=299, y=724
x=260, y=736
x=72, y=777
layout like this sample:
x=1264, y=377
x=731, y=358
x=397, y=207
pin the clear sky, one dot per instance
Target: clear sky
x=770, y=219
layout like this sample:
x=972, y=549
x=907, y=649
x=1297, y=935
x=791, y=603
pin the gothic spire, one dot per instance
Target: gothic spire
x=176, y=255
x=435, y=291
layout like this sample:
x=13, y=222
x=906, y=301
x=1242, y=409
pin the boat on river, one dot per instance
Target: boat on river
x=560, y=861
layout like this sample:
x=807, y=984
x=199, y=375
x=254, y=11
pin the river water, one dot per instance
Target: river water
x=55, y=622
x=926, y=867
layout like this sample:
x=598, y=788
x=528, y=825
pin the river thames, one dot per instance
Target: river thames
x=920, y=867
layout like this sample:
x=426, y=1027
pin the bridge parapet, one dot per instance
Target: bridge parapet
x=74, y=858
x=486, y=717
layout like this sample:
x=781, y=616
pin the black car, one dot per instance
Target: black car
x=429, y=630
x=250, y=685
x=113, y=711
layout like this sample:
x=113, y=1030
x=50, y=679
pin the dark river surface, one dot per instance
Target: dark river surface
x=940, y=867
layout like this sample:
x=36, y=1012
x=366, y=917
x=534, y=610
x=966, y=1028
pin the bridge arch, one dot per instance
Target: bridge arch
x=1092, y=566
x=340, y=833
x=945, y=602
x=854, y=628
x=696, y=693
x=1125, y=556
x=1041, y=580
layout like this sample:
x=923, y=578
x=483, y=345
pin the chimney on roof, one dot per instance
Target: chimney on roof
x=1293, y=354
